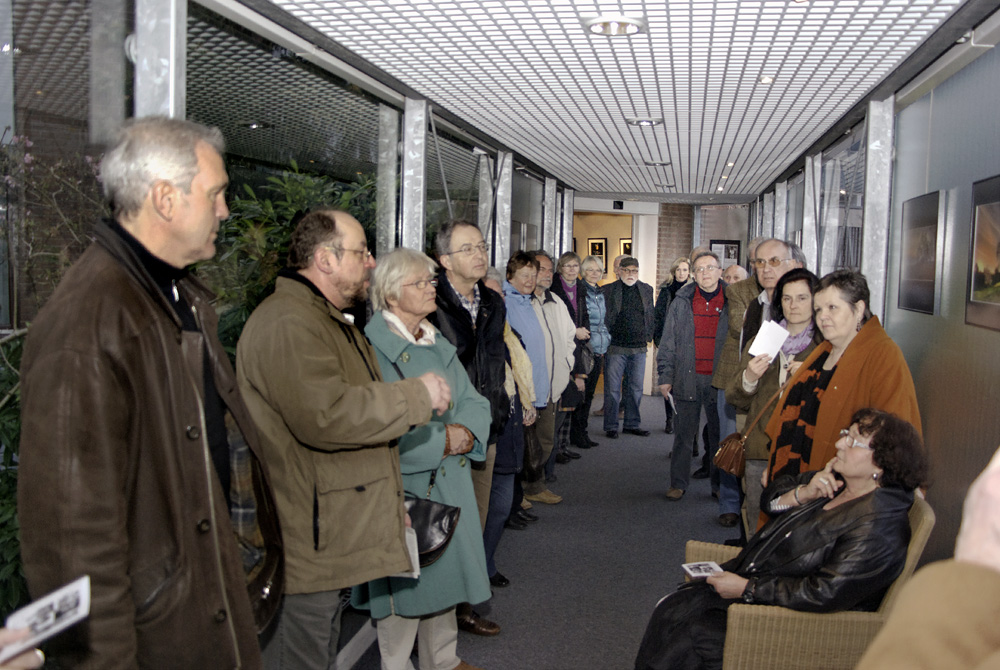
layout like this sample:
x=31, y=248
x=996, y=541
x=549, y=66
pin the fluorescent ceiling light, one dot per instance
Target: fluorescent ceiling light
x=656, y=163
x=644, y=122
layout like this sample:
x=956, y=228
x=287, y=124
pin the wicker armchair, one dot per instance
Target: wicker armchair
x=776, y=638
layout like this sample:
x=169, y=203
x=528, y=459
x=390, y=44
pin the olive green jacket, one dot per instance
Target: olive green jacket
x=312, y=383
x=738, y=297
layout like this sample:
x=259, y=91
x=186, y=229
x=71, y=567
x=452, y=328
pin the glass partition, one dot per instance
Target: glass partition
x=841, y=204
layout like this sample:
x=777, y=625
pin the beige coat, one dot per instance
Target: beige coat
x=326, y=418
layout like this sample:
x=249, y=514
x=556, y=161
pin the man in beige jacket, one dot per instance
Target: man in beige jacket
x=328, y=424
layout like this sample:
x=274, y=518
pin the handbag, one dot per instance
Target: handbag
x=433, y=522
x=731, y=456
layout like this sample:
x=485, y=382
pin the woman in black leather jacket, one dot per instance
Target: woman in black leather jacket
x=836, y=540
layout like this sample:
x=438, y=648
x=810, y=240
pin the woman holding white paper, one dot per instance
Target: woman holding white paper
x=857, y=366
x=754, y=387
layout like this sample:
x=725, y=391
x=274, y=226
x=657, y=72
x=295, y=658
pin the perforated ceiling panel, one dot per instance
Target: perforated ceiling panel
x=529, y=74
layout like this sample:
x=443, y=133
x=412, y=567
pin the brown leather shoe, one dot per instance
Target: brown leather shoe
x=675, y=494
x=728, y=519
x=477, y=625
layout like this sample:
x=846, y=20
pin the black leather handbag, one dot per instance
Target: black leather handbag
x=433, y=522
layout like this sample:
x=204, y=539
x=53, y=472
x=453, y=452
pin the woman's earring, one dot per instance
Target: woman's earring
x=875, y=476
x=859, y=326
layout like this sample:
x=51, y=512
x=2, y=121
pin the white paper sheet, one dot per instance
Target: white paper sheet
x=769, y=339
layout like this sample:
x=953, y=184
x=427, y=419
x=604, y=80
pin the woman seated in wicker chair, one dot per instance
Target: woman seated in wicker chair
x=836, y=540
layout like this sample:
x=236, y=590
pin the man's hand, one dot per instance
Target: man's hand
x=438, y=389
x=665, y=389
x=582, y=334
x=530, y=414
x=979, y=536
x=581, y=384
x=460, y=440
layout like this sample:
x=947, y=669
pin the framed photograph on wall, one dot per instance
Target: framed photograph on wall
x=728, y=251
x=625, y=246
x=923, y=222
x=982, y=308
x=598, y=246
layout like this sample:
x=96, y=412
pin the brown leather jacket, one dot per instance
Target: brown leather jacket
x=116, y=480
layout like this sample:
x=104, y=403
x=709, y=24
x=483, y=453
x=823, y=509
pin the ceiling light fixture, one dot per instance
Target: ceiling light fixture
x=719, y=189
x=615, y=25
x=644, y=122
x=656, y=163
x=766, y=79
x=664, y=185
x=256, y=125
x=730, y=164
x=725, y=176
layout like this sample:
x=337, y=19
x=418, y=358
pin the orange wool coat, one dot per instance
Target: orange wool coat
x=871, y=373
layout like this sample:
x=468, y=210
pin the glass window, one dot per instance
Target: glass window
x=841, y=203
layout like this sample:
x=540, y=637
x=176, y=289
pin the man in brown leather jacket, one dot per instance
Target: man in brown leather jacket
x=138, y=457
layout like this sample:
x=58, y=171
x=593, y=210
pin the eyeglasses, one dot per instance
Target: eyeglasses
x=422, y=284
x=854, y=443
x=705, y=269
x=773, y=262
x=469, y=249
x=365, y=254
x=629, y=271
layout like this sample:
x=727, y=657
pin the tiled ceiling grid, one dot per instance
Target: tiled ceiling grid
x=527, y=73
x=51, y=57
x=235, y=79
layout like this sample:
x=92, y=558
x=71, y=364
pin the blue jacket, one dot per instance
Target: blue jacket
x=524, y=321
x=600, y=336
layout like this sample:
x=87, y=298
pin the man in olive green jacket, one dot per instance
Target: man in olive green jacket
x=328, y=424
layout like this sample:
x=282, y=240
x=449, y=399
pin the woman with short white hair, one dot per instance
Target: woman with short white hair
x=435, y=460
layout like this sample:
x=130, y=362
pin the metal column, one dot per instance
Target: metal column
x=811, y=228
x=7, y=68
x=568, y=205
x=160, y=57
x=414, y=173
x=505, y=183
x=549, y=220
x=385, y=181
x=767, y=222
x=878, y=190
x=780, y=209
x=107, y=70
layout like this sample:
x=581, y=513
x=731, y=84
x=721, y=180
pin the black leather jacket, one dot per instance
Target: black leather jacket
x=813, y=560
x=481, y=349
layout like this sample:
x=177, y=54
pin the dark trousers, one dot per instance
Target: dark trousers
x=688, y=420
x=581, y=415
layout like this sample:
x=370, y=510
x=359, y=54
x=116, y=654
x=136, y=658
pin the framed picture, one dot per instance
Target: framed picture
x=625, y=246
x=918, y=268
x=983, y=305
x=728, y=251
x=598, y=246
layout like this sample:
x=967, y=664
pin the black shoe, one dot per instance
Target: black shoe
x=499, y=581
x=612, y=434
x=572, y=454
x=563, y=457
x=551, y=478
x=729, y=519
x=636, y=431
x=526, y=516
x=580, y=444
x=591, y=442
x=701, y=473
x=514, y=523
x=669, y=429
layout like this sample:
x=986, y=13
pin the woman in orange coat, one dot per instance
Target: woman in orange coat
x=857, y=366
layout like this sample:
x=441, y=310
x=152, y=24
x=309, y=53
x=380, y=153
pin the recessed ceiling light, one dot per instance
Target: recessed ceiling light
x=656, y=163
x=725, y=176
x=730, y=164
x=256, y=125
x=644, y=122
x=615, y=25
x=766, y=79
x=664, y=185
x=719, y=189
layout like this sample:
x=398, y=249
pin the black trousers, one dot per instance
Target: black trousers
x=686, y=632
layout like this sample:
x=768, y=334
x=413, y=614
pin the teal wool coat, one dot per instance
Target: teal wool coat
x=460, y=574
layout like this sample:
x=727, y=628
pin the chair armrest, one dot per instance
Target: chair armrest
x=695, y=551
x=777, y=638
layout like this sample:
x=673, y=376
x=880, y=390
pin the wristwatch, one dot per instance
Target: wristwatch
x=750, y=590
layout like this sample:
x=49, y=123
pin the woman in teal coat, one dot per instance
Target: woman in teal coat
x=407, y=345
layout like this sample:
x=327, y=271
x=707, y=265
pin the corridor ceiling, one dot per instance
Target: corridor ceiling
x=529, y=74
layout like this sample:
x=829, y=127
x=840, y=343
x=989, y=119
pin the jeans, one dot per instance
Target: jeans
x=581, y=415
x=729, y=485
x=501, y=497
x=616, y=364
x=688, y=419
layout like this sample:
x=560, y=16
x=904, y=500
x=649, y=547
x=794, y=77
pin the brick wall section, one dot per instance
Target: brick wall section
x=674, y=237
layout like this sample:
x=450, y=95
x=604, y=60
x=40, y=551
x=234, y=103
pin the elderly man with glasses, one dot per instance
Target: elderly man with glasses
x=693, y=334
